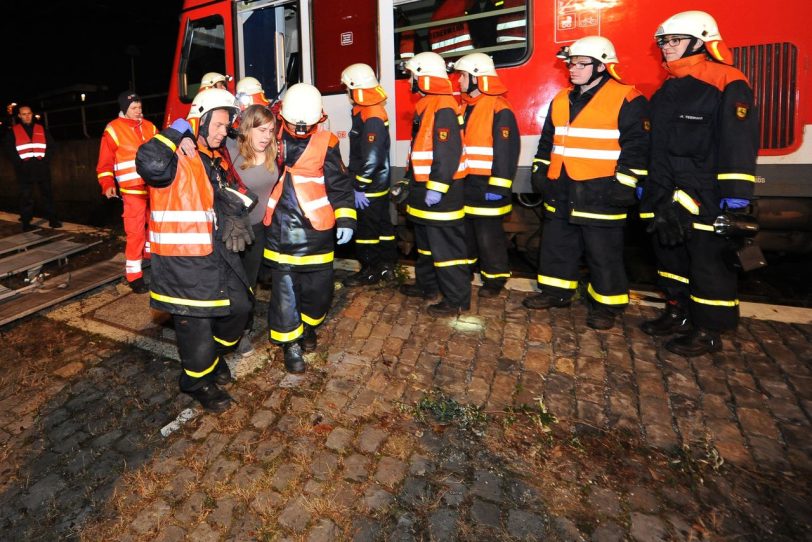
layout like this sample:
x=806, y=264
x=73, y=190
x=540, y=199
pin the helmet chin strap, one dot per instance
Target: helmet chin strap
x=415, y=87
x=472, y=86
x=595, y=73
x=689, y=51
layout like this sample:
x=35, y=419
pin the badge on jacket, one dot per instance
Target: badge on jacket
x=505, y=132
x=742, y=109
x=646, y=125
x=371, y=138
x=442, y=133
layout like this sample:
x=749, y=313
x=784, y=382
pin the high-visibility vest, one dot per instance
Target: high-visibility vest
x=307, y=176
x=30, y=147
x=182, y=214
x=128, y=138
x=422, y=152
x=453, y=37
x=589, y=147
x=478, y=134
x=511, y=28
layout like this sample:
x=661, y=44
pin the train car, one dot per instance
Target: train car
x=282, y=42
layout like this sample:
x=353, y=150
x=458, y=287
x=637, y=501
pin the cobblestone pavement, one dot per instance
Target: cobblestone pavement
x=502, y=424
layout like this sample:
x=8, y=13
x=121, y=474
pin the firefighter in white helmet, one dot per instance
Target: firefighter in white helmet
x=369, y=167
x=214, y=80
x=249, y=92
x=492, y=146
x=310, y=209
x=199, y=224
x=704, y=143
x=592, y=151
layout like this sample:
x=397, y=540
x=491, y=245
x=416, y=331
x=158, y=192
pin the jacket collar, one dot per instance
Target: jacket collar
x=685, y=65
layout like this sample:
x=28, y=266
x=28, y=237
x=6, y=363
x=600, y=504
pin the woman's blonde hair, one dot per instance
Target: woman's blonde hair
x=253, y=116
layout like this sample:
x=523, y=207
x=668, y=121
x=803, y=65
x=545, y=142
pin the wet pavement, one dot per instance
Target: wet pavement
x=502, y=424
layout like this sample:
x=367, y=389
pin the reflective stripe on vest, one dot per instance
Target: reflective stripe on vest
x=422, y=153
x=30, y=147
x=128, y=137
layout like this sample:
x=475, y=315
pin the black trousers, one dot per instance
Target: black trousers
x=29, y=173
x=251, y=259
x=564, y=244
x=442, y=262
x=202, y=341
x=487, y=244
x=375, y=238
x=695, y=274
x=298, y=299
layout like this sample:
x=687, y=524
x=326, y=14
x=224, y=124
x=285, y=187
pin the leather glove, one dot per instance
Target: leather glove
x=538, y=177
x=182, y=125
x=361, y=200
x=237, y=232
x=669, y=227
x=343, y=235
x=490, y=196
x=433, y=197
x=734, y=203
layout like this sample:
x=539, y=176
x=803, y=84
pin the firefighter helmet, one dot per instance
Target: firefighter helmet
x=359, y=76
x=249, y=92
x=698, y=24
x=210, y=99
x=302, y=104
x=428, y=63
x=212, y=78
x=475, y=64
x=597, y=47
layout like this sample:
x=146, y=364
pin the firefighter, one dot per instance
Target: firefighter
x=436, y=194
x=116, y=166
x=249, y=92
x=199, y=224
x=593, y=148
x=492, y=146
x=310, y=209
x=369, y=166
x=704, y=137
x=214, y=80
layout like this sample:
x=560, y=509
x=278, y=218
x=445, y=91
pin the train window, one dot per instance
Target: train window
x=203, y=51
x=453, y=28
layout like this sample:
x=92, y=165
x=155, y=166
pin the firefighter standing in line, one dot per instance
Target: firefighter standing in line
x=119, y=142
x=369, y=165
x=436, y=193
x=704, y=145
x=199, y=224
x=310, y=209
x=492, y=146
x=593, y=148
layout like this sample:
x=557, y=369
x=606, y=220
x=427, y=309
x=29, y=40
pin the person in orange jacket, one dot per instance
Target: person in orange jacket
x=116, y=166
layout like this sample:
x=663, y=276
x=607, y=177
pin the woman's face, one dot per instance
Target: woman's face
x=261, y=136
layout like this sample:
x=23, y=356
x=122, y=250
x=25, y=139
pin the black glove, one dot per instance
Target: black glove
x=237, y=232
x=538, y=178
x=621, y=195
x=234, y=202
x=668, y=224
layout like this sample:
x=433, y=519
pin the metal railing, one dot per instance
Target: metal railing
x=88, y=119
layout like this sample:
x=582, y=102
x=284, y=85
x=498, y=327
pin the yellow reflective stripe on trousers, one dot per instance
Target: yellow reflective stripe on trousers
x=495, y=275
x=289, y=336
x=343, y=212
x=499, y=181
x=626, y=180
x=639, y=172
x=686, y=201
x=558, y=283
x=312, y=321
x=736, y=177
x=542, y=160
x=432, y=215
x=488, y=211
x=190, y=302
x=598, y=216
x=703, y=227
x=367, y=241
x=645, y=216
x=204, y=372
x=362, y=179
x=129, y=191
x=424, y=252
x=672, y=276
x=166, y=141
x=620, y=299
x=450, y=263
x=387, y=237
x=225, y=342
x=549, y=207
x=715, y=302
x=298, y=260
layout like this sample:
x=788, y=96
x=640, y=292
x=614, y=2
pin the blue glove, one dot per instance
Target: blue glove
x=343, y=235
x=639, y=192
x=433, y=197
x=734, y=203
x=361, y=200
x=490, y=196
x=181, y=125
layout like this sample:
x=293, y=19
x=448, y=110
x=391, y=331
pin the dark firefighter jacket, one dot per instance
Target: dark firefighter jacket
x=188, y=285
x=598, y=201
x=704, y=137
x=291, y=242
x=369, y=149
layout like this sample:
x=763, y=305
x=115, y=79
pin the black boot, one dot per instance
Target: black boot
x=294, y=358
x=545, y=301
x=413, y=290
x=674, y=319
x=387, y=274
x=309, y=340
x=697, y=342
x=600, y=318
x=445, y=308
x=490, y=290
x=211, y=397
x=365, y=276
x=138, y=286
x=222, y=374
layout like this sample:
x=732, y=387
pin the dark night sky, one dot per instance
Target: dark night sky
x=51, y=45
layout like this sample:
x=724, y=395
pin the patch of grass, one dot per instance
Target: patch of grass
x=437, y=407
x=697, y=462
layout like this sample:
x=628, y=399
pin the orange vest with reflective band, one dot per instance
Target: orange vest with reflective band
x=128, y=138
x=478, y=136
x=422, y=154
x=182, y=214
x=307, y=176
x=33, y=147
x=589, y=146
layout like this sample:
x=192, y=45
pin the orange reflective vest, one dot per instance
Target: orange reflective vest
x=589, y=146
x=478, y=136
x=422, y=153
x=30, y=147
x=452, y=37
x=307, y=176
x=182, y=217
x=128, y=136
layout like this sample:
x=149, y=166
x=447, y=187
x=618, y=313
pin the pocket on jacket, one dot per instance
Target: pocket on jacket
x=691, y=134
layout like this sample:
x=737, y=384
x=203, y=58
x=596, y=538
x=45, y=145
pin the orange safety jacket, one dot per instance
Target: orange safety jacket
x=182, y=217
x=478, y=136
x=30, y=147
x=307, y=177
x=422, y=152
x=126, y=135
x=452, y=37
x=589, y=147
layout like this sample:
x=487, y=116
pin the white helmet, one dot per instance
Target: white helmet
x=249, y=92
x=475, y=64
x=597, y=47
x=212, y=78
x=359, y=76
x=248, y=85
x=212, y=98
x=698, y=24
x=427, y=63
x=302, y=104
